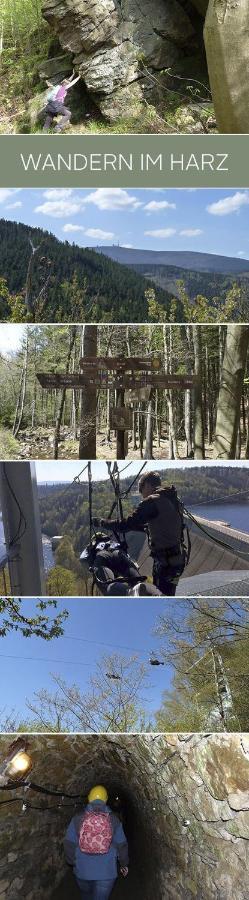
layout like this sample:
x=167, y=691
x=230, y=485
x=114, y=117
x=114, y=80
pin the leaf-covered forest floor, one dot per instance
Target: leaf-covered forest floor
x=37, y=443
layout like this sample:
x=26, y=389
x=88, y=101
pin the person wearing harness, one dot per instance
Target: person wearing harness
x=160, y=514
x=55, y=103
x=93, y=844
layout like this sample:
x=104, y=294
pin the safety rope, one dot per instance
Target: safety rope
x=90, y=498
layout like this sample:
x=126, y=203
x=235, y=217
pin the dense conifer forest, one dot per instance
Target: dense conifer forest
x=45, y=280
x=67, y=282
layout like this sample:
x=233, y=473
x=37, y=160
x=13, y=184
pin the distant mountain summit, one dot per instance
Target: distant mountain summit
x=183, y=259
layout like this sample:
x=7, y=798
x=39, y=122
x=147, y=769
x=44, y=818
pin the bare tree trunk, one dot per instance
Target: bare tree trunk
x=22, y=392
x=228, y=411
x=29, y=279
x=149, y=428
x=88, y=400
x=158, y=420
x=199, y=437
x=187, y=423
x=74, y=404
x=141, y=429
x=173, y=451
x=62, y=396
x=134, y=429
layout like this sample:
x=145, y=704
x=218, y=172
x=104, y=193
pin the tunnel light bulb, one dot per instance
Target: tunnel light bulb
x=16, y=763
x=20, y=764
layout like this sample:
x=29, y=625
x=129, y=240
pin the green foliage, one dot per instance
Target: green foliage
x=40, y=625
x=61, y=582
x=8, y=444
x=209, y=650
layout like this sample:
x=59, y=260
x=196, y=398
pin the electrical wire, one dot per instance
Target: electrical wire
x=72, y=662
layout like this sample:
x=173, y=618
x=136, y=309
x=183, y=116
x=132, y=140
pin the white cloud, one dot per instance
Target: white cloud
x=241, y=253
x=6, y=193
x=157, y=205
x=59, y=209
x=190, y=232
x=69, y=227
x=229, y=204
x=127, y=246
x=112, y=198
x=161, y=232
x=57, y=193
x=15, y=205
x=99, y=234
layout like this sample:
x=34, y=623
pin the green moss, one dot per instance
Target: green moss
x=8, y=444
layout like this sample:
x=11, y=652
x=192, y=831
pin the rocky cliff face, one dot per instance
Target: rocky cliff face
x=120, y=46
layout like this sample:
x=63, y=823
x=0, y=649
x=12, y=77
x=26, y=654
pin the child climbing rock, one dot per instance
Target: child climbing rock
x=94, y=841
x=55, y=103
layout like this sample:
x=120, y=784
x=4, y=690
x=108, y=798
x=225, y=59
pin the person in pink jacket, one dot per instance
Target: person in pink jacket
x=55, y=105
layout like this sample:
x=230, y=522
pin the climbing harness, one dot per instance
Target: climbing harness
x=113, y=677
x=112, y=568
x=154, y=661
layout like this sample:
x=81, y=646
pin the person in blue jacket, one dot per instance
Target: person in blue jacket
x=96, y=872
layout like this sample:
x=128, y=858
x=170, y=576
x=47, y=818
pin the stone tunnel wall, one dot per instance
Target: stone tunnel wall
x=117, y=45
x=189, y=794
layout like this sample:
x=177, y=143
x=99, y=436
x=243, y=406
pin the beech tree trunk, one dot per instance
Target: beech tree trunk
x=62, y=395
x=149, y=428
x=199, y=436
x=22, y=391
x=88, y=400
x=232, y=377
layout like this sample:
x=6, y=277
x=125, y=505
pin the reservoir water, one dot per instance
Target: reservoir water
x=234, y=514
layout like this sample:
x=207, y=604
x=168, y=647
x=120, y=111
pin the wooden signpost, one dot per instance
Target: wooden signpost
x=125, y=382
x=119, y=374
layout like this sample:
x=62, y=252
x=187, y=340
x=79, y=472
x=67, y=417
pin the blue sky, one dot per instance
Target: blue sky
x=121, y=623
x=66, y=470
x=215, y=221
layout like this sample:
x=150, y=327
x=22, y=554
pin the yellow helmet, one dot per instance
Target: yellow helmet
x=98, y=793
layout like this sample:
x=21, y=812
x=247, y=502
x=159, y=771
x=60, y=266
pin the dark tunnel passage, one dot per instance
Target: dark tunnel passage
x=183, y=799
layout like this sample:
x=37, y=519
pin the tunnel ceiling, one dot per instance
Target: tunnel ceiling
x=117, y=45
x=188, y=796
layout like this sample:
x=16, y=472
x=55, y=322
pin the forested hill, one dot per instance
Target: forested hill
x=208, y=284
x=106, y=286
x=201, y=273
x=183, y=259
x=68, y=513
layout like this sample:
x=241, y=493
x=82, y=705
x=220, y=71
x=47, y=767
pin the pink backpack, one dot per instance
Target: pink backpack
x=95, y=834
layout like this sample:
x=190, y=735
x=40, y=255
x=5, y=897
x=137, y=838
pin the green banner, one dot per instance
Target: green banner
x=124, y=160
